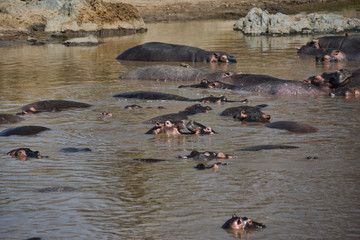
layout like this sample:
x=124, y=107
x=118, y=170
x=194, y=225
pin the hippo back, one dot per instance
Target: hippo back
x=172, y=73
x=164, y=52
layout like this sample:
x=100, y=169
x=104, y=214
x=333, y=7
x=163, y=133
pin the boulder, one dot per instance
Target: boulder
x=258, y=22
x=72, y=16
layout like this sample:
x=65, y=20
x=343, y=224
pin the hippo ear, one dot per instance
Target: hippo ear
x=216, y=55
x=307, y=81
x=336, y=53
x=234, y=215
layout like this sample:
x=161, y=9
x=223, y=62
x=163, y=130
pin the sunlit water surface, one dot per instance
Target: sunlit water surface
x=119, y=198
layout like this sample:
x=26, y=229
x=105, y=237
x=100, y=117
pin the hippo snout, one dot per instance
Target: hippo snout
x=232, y=59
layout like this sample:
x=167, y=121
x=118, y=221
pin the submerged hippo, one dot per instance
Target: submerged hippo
x=241, y=223
x=182, y=115
x=215, y=166
x=22, y=153
x=294, y=127
x=267, y=147
x=23, y=131
x=170, y=128
x=205, y=83
x=51, y=105
x=165, y=52
x=74, y=150
x=329, y=81
x=352, y=88
x=207, y=155
x=271, y=85
x=57, y=189
x=246, y=114
x=173, y=73
x=319, y=45
x=340, y=55
x=167, y=96
x=174, y=128
x=9, y=118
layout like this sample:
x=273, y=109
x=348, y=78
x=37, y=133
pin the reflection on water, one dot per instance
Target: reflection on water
x=295, y=196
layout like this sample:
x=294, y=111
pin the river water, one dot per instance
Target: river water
x=119, y=198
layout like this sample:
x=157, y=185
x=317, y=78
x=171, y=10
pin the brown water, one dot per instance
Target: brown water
x=119, y=198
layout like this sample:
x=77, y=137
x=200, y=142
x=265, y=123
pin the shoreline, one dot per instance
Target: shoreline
x=153, y=11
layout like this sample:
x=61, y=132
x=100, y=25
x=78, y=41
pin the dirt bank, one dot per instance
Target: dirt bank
x=171, y=10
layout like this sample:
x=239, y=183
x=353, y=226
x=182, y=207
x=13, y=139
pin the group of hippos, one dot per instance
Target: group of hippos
x=339, y=83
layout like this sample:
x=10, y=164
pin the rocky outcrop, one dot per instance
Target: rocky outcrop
x=258, y=22
x=68, y=16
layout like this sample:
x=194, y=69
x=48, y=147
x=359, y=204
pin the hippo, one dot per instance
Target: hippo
x=246, y=114
x=330, y=81
x=241, y=223
x=197, y=128
x=208, y=84
x=74, y=150
x=9, y=118
x=352, y=88
x=271, y=85
x=207, y=155
x=149, y=160
x=165, y=52
x=23, y=153
x=309, y=51
x=51, y=106
x=319, y=45
x=267, y=147
x=57, y=189
x=23, y=131
x=172, y=128
x=132, y=106
x=334, y=41
x=291, y=126
x=167, y=96
x=173, y=73
x=215, y=166
x=340, y=55
x=190, y=110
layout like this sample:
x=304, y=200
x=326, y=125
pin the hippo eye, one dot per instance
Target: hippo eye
x=207, y=129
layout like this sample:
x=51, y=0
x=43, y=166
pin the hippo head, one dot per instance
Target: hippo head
x=167, y=127
x=250, y=116
x=331, y=80
x=197, y=108
x=212, y=99
x=222, y=57
x=22, y=153
x=243, y=223
x=198, y=128
x=332, y=56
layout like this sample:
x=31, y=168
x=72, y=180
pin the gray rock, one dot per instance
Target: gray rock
x=258, y=22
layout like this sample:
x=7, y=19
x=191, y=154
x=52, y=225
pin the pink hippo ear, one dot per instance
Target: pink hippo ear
x=307, y=81
x=316, y=43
